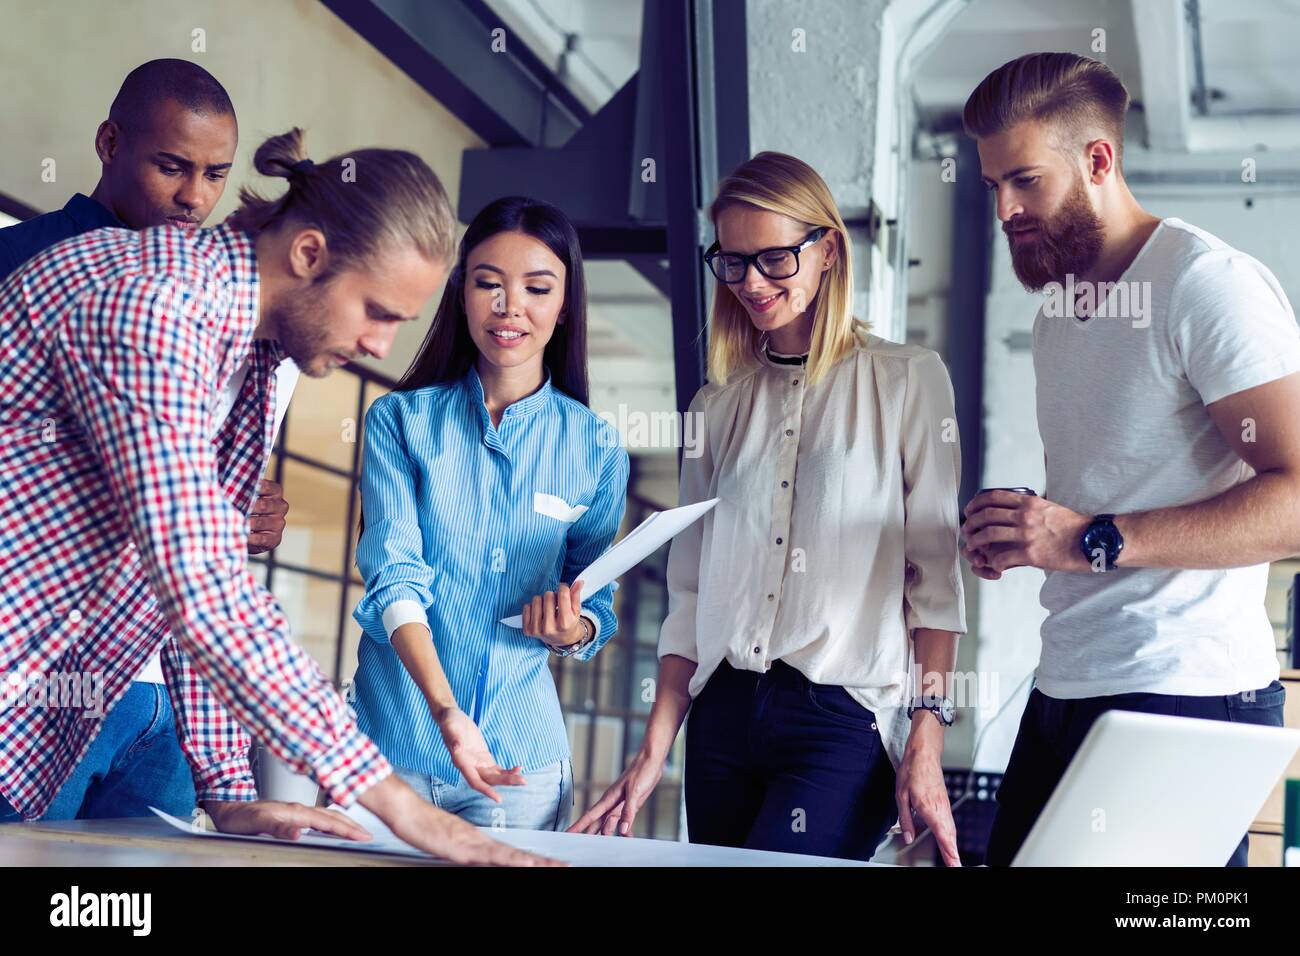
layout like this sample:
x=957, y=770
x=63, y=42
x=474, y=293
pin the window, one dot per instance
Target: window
x=317, y=459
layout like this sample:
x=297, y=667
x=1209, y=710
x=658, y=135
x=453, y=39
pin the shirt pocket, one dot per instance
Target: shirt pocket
x=544, y=536
x=553, y=506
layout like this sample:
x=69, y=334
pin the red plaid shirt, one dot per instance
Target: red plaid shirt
x=124, y=524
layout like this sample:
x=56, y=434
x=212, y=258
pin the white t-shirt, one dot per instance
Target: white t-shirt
x=286, y=377
x=1121, y=410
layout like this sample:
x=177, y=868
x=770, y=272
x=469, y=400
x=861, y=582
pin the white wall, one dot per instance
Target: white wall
x=814, y=72
x=1009, y=615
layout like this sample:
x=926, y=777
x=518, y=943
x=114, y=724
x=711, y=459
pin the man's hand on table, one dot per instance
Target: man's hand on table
x=411, y=819
x=445, y=835
x=278, y=819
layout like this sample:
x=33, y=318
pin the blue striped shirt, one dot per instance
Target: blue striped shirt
x=450, y=523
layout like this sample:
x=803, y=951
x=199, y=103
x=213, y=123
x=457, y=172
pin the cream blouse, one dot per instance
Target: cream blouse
x=836, y=530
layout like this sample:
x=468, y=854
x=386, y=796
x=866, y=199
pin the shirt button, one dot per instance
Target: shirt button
x=778, y=540
x=758, y=650
x=785, y=484
x=74, y=617
x=771, y=597
x=795, y=382
x=789, y=432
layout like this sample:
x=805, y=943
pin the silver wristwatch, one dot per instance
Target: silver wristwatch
x=943, y=708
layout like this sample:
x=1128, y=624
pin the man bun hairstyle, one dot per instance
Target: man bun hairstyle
x=365, y=202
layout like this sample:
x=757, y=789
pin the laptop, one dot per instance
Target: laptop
x=1154, y=790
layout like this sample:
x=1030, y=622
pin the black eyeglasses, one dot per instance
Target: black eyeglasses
x=779, y=262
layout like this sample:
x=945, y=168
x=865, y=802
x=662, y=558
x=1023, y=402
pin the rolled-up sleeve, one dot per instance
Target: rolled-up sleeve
x=390, y=553
x=215, y=745
x=677, y=635
x=931, y=454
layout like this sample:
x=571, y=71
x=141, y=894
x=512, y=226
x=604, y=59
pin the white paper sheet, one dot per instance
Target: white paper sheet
x=637, y=545
x=576, y=849
x=382, y=843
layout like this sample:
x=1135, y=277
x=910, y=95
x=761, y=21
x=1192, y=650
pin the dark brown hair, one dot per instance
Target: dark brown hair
x=1078, y=95
x=448, y=351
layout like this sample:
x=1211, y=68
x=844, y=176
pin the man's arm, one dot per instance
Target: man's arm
x=1254, y=522
x=215, y=745
x=137, y=362
x=1251, y=523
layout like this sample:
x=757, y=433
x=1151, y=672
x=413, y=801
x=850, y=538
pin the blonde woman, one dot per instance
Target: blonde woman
x=829, y=565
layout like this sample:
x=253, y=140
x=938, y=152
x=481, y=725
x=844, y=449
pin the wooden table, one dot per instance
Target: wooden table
x=150, y=842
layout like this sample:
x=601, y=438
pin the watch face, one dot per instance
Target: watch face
x=1104, y=537
x=948, y=710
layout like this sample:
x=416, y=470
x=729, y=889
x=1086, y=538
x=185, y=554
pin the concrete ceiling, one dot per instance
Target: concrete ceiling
x=606, y=38
x=1247, y=51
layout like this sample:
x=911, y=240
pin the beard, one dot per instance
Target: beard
x=300, y=320
x=1069, y=244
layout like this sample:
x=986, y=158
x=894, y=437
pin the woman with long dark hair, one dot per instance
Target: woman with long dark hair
x=487, y=484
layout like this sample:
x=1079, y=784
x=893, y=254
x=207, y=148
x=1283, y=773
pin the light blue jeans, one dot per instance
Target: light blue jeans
x=543, y=803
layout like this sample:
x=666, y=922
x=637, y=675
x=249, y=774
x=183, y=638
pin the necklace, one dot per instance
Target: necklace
x=781, y=358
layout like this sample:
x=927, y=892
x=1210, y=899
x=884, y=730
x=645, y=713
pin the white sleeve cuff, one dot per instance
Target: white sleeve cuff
x=402, y=612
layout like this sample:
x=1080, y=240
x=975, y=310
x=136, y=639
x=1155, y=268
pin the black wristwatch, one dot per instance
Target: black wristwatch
x=1102, y=539
x=942, y=707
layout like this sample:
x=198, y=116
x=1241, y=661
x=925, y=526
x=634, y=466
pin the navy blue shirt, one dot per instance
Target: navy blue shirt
x=20, y=242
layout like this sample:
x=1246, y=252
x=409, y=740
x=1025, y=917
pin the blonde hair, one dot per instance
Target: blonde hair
x=779, y=183
x=1076, y=95
x=366, y=202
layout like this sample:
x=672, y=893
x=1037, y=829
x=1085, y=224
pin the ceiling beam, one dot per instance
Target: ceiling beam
x=1161, y=30
x=507, y=96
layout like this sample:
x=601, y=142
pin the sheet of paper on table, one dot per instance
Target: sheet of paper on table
x=637, y=545
x=576, y=849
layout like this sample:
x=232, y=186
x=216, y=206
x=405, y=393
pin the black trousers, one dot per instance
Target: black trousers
x=776, y=762
x=1052, y=730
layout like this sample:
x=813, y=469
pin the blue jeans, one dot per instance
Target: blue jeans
x=1052, y=730
x=134, y=763
x=543, y=803
x=776, y=762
